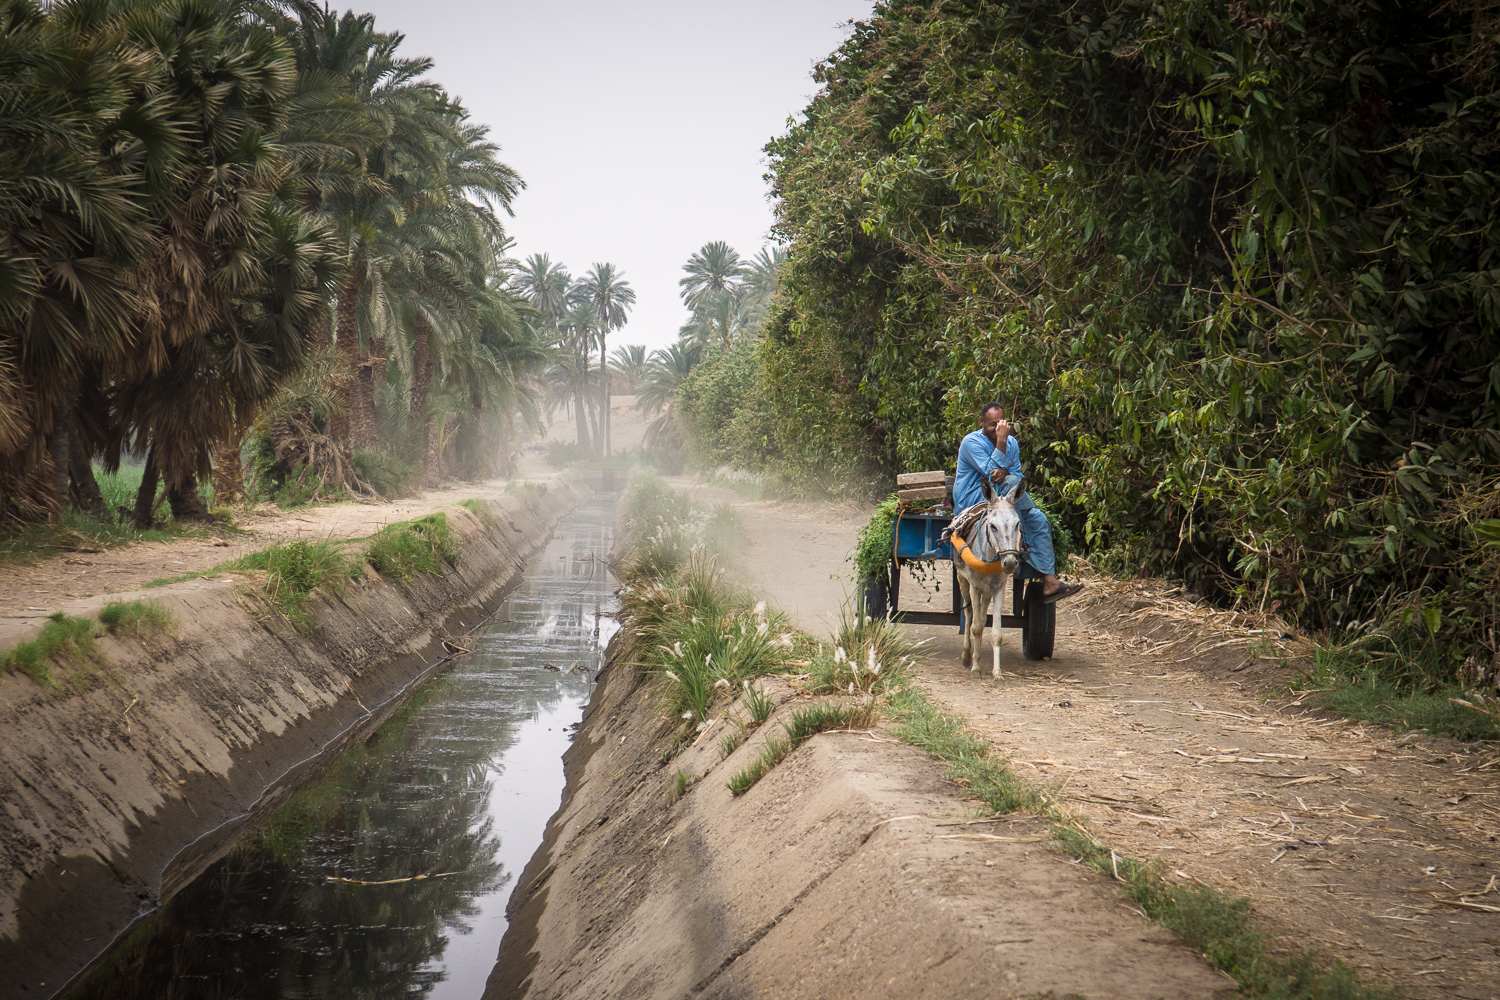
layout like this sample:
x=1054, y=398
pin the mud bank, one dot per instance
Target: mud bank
x=113, y=799
x=851, y=870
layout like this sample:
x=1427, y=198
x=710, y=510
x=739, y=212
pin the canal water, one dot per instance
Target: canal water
x=388, y=876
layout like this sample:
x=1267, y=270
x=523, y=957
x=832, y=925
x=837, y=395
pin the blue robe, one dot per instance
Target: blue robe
x=977, y=458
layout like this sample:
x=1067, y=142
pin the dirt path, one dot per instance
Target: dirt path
x=1156, y=722
x=31, y=591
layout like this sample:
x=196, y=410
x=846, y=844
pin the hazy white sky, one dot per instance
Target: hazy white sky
x=637, y=126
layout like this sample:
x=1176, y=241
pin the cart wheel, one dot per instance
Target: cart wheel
x=877, y=596
x=1040, y=627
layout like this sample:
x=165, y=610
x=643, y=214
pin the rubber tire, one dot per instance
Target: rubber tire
x=877, y=596
x=1040, y=629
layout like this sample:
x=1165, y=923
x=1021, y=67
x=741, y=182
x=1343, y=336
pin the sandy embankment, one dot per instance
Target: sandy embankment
x=114, y=798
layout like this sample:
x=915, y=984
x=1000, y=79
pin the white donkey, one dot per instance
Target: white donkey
x=986, y=561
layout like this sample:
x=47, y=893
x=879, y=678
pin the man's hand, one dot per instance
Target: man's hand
x=995, y=427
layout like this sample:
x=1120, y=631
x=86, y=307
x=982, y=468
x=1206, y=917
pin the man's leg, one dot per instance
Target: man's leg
x=1036, y=531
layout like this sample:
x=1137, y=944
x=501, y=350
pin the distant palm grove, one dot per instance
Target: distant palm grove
x=244, y=228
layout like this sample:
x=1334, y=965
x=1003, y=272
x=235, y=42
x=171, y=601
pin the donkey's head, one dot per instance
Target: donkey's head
x=999, y=535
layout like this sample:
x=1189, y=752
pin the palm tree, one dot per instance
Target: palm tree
x=719, y=318
x=629, y=362
x=70, y=228
x=545, y=285
x=214, y=219
x=762, y=278
x=612, y=297
x=668, y=368
x=716, y=267
x=665, y=373
x=580, y=332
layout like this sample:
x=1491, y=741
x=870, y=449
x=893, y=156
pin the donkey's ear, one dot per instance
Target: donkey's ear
x=986, y=488
x=1014, y=493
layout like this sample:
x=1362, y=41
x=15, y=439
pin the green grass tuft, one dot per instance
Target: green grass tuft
x=1355, y=687
x=681, y=784
x=759, y=703
x=295, y=571
x=65, y=639
x=821, y=716
x=805, y=723
x=407, y=548
x=479, y=508
x=773, y=752
x=731, y=741
x=137, y=619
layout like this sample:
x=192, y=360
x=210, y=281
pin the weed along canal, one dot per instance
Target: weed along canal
x=388, y=875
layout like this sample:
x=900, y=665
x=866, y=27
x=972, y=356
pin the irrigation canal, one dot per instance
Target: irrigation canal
x=456, y=787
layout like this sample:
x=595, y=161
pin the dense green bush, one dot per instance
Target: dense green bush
x=1231, y=267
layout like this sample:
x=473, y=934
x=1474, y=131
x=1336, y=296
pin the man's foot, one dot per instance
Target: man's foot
x=1063, y=590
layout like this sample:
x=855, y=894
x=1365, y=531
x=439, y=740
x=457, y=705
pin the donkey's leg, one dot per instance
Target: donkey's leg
x=966, y=595
x=979, y=604
x=995, y=638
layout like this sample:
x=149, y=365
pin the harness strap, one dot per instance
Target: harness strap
x=977, y=564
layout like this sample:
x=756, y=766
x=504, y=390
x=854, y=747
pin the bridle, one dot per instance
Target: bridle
x=971, y=559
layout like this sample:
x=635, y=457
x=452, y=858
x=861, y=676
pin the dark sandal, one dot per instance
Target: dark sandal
x=1066, y=590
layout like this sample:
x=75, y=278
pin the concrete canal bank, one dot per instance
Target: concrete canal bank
x=113, y=798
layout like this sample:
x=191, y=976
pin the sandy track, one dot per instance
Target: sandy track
x=31, y=591
x=1376, y=848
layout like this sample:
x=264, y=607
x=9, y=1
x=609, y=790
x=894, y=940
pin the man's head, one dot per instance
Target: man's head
x=991, y=417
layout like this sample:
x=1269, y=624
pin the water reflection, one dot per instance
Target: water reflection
x=457, y=787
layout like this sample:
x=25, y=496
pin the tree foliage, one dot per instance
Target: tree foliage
x=187, y=187
x=1232, y=267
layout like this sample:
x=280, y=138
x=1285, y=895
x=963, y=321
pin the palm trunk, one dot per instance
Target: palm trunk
x=145, y=497
x=432, y=462
x=371, y=377
x=421, y=368
x=83, y=488
x=186, y=504
x=341, y=425
x=59, y=442
x=229, y=472
x=421, y=384
x=583, y=418
x=604, y=393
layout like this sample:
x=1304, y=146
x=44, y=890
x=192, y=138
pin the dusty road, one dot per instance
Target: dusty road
x=1158, y=723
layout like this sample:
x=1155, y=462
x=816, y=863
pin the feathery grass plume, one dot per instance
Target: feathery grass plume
x=137, y=619
x=872, y=657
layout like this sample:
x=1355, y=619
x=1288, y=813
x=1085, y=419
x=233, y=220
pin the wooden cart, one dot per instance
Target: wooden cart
x=918, y=538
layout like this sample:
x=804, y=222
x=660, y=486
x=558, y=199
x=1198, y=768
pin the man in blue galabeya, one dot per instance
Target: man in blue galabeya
x=992, y=452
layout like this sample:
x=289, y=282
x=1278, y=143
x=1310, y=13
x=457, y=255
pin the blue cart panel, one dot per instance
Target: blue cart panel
x=918, y=536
